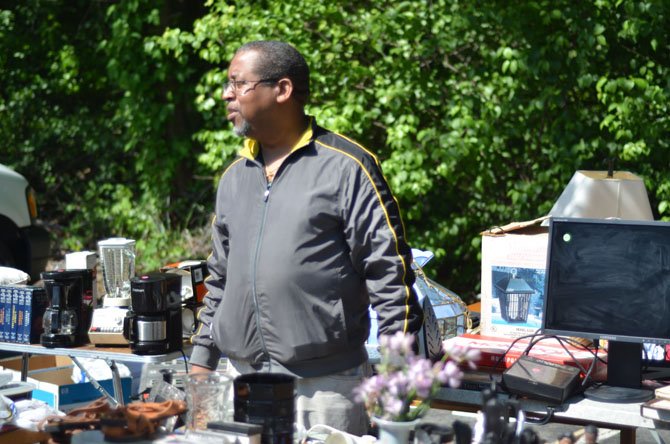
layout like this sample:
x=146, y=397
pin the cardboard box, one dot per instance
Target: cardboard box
x=498, y=354
x=52, y=377
x=514, y=260
x=37, y=362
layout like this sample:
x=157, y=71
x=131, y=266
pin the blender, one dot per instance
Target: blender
x=117, y=262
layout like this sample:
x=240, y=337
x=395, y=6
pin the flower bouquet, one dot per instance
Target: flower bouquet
x=404, y=384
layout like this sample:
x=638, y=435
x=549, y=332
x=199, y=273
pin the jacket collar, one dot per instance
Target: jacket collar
x=251, y=148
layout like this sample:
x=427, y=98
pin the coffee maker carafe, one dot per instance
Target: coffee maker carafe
x=153, y=324
x=65, y=319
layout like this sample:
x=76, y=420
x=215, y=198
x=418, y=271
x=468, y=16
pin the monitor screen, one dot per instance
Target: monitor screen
x=610, y=279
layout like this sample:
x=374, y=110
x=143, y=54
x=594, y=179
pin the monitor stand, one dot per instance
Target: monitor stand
x=624, y=376
x=618, y=395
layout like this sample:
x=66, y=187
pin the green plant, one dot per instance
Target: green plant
x=480, y=112
x=404, y=384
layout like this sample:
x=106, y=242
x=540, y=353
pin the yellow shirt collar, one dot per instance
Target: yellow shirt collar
x=251, y=148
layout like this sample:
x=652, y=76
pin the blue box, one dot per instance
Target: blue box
x=52, y=378
x=15, y=314
x=55, y=387
x=5, y=309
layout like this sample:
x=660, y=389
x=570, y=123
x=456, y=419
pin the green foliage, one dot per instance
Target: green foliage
x=101, y=122
x=479, y=111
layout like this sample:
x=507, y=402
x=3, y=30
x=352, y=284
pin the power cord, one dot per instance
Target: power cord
x=185, y=360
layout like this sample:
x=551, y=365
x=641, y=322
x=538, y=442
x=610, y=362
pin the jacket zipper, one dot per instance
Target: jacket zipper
x=266, y=195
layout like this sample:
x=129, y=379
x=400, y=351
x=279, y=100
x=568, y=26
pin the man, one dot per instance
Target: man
x=306, y=235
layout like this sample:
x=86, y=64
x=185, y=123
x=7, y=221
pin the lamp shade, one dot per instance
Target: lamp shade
x=594, y=194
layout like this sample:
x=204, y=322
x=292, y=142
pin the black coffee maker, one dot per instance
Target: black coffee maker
x=153, y=324
x=66, y=319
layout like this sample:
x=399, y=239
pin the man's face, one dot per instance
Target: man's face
x=249, y=101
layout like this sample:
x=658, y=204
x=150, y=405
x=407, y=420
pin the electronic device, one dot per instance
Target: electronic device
x=107, y=326
x=609, y=279
x=193, y=274
x=537, y=378
x=153, y=325
x=193, y=290
x=85, y=260
x=117, y=262
x=66, y=318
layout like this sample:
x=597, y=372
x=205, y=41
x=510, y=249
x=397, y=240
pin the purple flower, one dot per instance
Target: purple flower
x=461, y=354
x=393, y=407
x=399, y=344
x=421, y=374
x=404, y=379
x=452, y=374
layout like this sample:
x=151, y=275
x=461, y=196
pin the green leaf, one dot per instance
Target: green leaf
x=508, y=53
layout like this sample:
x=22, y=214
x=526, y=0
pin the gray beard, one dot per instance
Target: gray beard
x=243, y=129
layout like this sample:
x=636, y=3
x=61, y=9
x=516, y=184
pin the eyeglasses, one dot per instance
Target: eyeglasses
x=238, y=86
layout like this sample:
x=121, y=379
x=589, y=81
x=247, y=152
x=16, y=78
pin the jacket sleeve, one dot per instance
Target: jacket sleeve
x=205, y=352
x=379, y=250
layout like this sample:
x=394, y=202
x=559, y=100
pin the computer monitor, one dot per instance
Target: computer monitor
x=610, y=279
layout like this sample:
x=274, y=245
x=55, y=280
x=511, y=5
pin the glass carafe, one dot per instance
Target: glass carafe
x=209, y=398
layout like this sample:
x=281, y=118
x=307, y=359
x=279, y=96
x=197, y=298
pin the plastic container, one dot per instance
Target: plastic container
x=208, y=399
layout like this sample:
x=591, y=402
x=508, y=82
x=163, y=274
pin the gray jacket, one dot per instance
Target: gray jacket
x=296, y=262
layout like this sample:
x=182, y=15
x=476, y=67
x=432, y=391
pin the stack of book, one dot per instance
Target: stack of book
x=498, y=353
x=21, y=310
x=659, y=407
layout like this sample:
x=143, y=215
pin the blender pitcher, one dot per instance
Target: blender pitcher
x=117, y=260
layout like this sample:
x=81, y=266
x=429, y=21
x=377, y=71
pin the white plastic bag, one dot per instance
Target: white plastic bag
x=331, y=435
x=13, y=276
x=31, y=412
x=98, y=369
x=7, y=410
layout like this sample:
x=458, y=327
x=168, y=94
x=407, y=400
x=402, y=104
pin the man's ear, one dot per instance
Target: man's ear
x=285, y=90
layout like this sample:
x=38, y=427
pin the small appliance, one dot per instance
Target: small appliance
x=117, y=262
x=193, y=290
x=66, y=318
x=193, y=274
x=85, y=260
x=153, y=325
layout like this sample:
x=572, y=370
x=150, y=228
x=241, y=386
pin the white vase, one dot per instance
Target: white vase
x=394, y=432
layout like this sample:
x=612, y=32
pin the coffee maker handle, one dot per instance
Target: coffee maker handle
x=127, y=326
